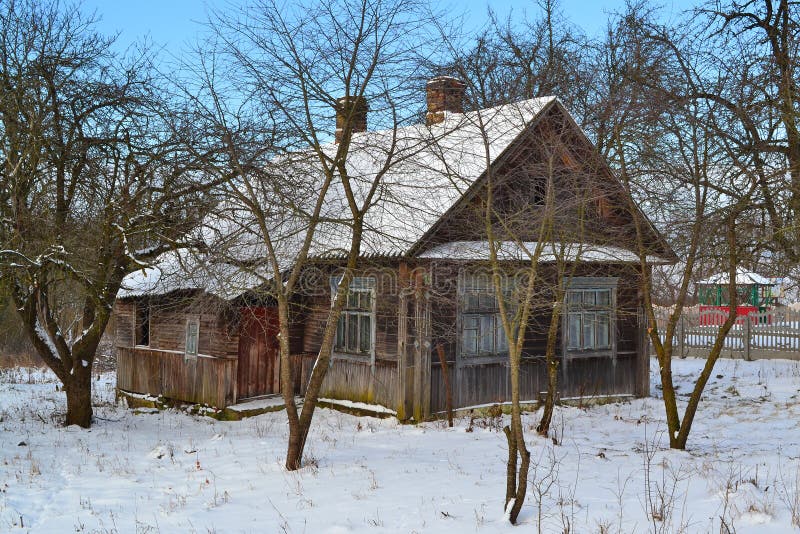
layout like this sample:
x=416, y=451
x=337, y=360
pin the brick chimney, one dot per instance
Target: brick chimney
x=353, y=109
x=444, y=93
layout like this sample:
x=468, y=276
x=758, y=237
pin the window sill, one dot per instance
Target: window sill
x=488, y=359
x=578, y=354
x=352, y=357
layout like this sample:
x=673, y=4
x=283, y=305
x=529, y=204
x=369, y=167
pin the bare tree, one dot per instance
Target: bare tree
x=273, y=79
x=508, y=64
x=668, y=152
x=528, y=57
x=93, y=186
x=753, y=54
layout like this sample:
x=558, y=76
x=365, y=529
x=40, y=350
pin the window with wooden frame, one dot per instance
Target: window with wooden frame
x=141, y=323
x=590, y=315
x=192, y=336
x=481, y=324
x=355, y=330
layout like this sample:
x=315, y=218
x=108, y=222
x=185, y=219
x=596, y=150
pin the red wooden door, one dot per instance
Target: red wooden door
x=258, y=352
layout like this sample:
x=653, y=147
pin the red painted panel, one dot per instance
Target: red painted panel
x=258, y=352
x=709, y=318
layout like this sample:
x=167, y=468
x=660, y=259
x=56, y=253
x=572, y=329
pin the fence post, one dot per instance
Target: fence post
x=747, y=338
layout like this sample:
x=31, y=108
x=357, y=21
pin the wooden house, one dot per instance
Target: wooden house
x=421, y=310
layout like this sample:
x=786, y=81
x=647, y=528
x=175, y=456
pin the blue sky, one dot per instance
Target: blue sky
x=172, y=23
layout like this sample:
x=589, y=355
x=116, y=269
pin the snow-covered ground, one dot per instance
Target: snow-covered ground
x=606, y=469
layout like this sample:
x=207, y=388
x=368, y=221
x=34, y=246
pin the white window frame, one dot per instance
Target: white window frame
x=191, y=354
x=579, y=307
x=358, y=285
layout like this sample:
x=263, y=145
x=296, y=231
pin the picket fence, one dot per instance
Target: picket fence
x=765, y=335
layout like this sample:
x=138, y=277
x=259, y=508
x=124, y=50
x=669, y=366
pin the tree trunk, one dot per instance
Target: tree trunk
x=552, y=372
x=298, y=431
x=294, y=450
x=79, y=398
x=516, y=479
x=297, y=441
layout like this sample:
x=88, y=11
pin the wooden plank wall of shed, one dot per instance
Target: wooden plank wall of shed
x=218, y=334
x=202, y=380
x=124, y=311
x=150, y=370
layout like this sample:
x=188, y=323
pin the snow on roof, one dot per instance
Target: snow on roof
x=184, y=270
x=511, y=250
x=743, y=277
x=431, y=167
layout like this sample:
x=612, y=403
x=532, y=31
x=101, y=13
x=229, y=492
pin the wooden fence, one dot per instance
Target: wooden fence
x=203, y=379
x=765, y=335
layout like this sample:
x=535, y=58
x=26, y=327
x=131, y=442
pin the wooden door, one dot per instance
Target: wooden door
x=258, y=352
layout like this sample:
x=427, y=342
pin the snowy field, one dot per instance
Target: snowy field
x=606, y=469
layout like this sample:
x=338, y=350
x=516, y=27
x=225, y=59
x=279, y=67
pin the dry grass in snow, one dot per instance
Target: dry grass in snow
x=605, y=468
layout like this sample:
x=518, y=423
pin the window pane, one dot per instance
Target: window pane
x=142, y=324
x=487, y=333
x=589, y=298
x=500, y=335
x=469, y=336
x=362, y=282
x=340, y=330
x=352, y=332
x=352, y=300
x=366, y=301
x=574, y=298
x=604, y=297
x=574, y=331
x=588, y=331
x=470, y=322
x=488, y=301
x=191, y=337
x=365, y=333
x=482, y=282
x=471, y=302
x=603, y=331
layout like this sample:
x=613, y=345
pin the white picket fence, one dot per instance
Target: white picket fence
x=771, y=334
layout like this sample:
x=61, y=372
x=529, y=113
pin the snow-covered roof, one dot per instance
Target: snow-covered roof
x=425, y=170
x=511, y=250
x=431, y=169
x=743, y=277
x=186, y=269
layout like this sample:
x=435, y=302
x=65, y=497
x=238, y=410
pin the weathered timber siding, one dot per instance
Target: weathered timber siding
x=488, y=384
x=161, y=368
x=357, y=378
x=203, y=380
x=359, y=381
x=314, y=311
x=218, y=334
x=480, y=380
x=168, y=332
x=124, y=311
x=585, y=190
